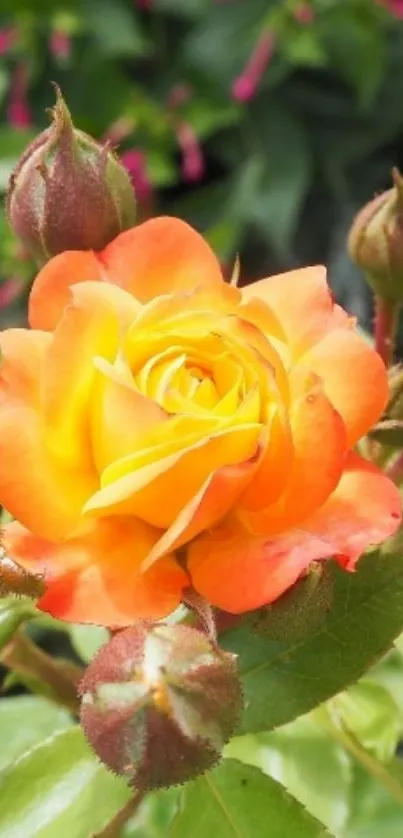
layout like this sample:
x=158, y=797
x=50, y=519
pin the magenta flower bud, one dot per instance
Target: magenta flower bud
x=192, y=155
x=159, y=703
x=304, y=14
x=8, y=37
x=68, y=192
x=60, y=44
x=246, y=85
x=18, y=111
x=135, y=163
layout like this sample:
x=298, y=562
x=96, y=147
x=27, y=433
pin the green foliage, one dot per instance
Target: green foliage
x=284, y=680
x=59, y=788
x=283, y=171
x=238, y=800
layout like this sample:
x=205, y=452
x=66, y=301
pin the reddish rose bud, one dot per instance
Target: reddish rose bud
x=68, y=192
x=159, y=703
x=375, y=242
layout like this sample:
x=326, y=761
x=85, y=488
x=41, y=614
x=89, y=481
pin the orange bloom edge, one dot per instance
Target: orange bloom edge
x=119, y=514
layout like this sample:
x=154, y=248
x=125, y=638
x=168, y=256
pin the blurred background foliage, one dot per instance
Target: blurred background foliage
x=265, y=123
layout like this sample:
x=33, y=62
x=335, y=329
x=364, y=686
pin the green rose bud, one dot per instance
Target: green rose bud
x=159, y=703
x=375, y=242
x=68, y=192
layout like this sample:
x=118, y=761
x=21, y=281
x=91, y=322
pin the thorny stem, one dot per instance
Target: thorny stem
x=114, y=828
x=24, y=657
x=386, y=321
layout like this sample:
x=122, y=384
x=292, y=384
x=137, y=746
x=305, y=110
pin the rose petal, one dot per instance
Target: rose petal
x=161, y=256
x=319, y=448
x=120, y=416
x=212, y=502
x=89, y=327
x=34, y=485
x=354, y=378
x=147, y=490
x=238, y=572
x=96, y=578
x=303, y=304
x=50, y=292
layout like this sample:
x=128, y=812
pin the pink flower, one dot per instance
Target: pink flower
x=135, y=162
x=18, y=111
x=8, y=37
x=395, y=7
x=144, y=4
x=60, y=44
x=9, y=291
x=192, y=155
x=304, y=14
x=245, y=86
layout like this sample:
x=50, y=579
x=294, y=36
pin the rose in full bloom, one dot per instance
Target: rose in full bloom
x=161, y=429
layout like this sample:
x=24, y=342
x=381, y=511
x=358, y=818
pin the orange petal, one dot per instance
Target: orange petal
x=147, y=492
x=34, y=487
x=50, y=292
x=238, y=572
x=319, y=443
x=303, y=304
x=212, y=502
x=364, y=510
x=354, y=378
x=161, y=256
x=22, y=353
x=97, y=578
x=89, y=327
x=273, y=474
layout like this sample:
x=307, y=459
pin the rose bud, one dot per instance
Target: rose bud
x=375, y=242
x=159, y=703
x=68, y=192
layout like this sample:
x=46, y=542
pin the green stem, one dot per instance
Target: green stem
x=354, y=747
x=22, y=656
x=395, y=471
x=114, y=828
x=386, y=322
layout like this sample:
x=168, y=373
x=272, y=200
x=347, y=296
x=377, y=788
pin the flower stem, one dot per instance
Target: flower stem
x=395, y=471
x=386, y=322
x=25, y=658
x=354, y=747
x=114, y=828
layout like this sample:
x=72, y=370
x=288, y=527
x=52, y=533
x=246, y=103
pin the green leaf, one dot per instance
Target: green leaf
x=59, y=788
x=115, y=28
x=238, y=801
x=374, y=813
x=26, y=720
x=307, y=762
x=154, y=816
x=371, y=714
x=284, y=680
x=87, y=640
x=13, y=611
x=283, y=148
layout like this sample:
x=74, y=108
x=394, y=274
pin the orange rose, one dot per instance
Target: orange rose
x=160, y=429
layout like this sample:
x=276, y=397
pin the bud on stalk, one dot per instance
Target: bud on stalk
x=159, y=703
x=375, y=242
x=68, y=192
